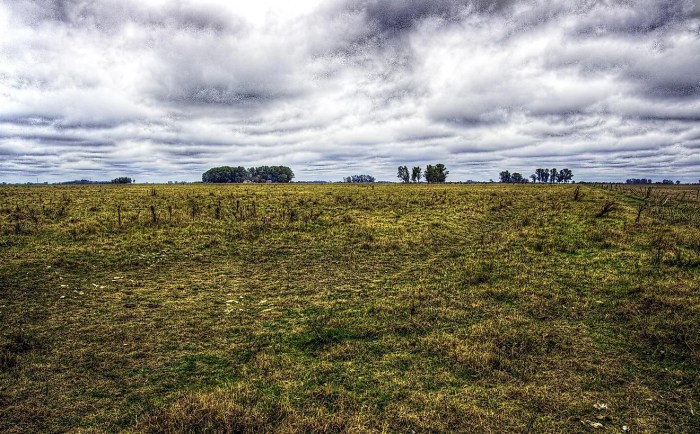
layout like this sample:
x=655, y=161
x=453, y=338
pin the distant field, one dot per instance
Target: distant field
x=360, y=308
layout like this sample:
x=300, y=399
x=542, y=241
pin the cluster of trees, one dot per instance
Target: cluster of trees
x=512, y=178
x=359, y=178
x=120, y=180
x=544, y=176
x=436, y=173
x=227, y=174
x=648, y=181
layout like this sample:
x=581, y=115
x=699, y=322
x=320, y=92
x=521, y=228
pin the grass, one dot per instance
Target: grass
x=358, y=308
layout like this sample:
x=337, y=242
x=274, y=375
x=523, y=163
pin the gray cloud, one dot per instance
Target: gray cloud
x=109, y=17
x=101, y=88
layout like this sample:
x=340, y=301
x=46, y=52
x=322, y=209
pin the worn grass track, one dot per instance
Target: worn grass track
x=327, y=308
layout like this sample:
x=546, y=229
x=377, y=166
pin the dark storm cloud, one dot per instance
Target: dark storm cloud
x=634, y=18
x=390, y=17
x=169, y=89
x=110, y=16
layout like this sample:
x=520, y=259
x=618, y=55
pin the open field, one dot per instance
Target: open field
x=360, y=308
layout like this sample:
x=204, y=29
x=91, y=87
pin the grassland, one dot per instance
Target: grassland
x=385, y=308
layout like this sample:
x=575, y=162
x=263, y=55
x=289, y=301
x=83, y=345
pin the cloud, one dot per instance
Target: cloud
x=159, y=89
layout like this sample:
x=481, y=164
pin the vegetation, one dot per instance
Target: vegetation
x=358, y=308
x=359, y=179
x=416, y=174
x=638, y=181
x=541, y=175
x=122, y=180
x=433, y=174
x=512, y=178
x=436, y=173
x=403, y=174
x=227, y=174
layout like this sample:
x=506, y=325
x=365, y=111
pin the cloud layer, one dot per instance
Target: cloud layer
x=164, y=90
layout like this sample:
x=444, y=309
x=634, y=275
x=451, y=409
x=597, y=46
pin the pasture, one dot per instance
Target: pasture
x=348, y=308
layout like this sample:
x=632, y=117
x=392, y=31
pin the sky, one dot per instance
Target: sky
x=162, y=90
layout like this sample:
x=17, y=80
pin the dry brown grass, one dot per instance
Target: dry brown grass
x=340, y=308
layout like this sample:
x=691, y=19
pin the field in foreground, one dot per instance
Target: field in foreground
x=328, y=308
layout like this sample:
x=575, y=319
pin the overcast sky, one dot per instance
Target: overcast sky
x=162, y=90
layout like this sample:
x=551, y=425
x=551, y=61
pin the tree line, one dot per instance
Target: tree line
x=432, y=174
x=228, y=174
x=543, y=176
x=359, y=178
x=119, y=180
x=648, y=181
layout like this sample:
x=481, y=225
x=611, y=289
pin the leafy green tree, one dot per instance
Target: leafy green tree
x=542, y=175
x=436, y=173
x=416, y=174
x=359, y=178
x=553, y=174
x=504, y=176
x=517, y=178
x=403, y=174
x=270, y=174
x=227, y=174
x=565, y=175
x=122, y=180
x=533, y=177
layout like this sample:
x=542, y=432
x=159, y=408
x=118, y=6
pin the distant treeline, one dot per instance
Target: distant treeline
x=432, y=174
x=227, y=174
x=648, y=181
x=120, y=180
x=359, y=178
x=544, y=176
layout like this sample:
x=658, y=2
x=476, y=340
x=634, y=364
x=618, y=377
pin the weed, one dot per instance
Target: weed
x=577, y=193
x=608, y=207
x=8, y=359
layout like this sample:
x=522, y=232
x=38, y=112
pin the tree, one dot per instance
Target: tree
x=227, y=174
x=359, y=178
x=403, y=174
x=533, y=177
x=517, y=178
x=122, y=180
x=416, y=174
x=565, y=175
x=542, y=175
x=504, y=176
x=553, y=175
x=436, y=173
x=270, y=174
